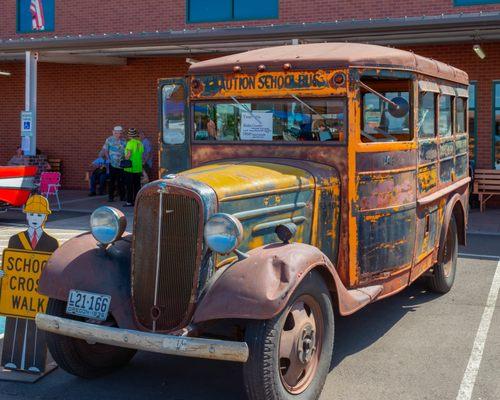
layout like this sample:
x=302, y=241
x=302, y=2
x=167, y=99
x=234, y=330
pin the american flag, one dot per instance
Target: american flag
x=37, y=17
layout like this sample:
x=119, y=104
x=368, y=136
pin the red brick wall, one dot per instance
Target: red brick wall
x=79, y=105
x=111, y=16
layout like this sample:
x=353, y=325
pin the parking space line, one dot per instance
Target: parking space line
x=480, y=256
x=469, y=379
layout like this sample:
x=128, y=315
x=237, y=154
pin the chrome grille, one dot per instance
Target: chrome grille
x=177, y=264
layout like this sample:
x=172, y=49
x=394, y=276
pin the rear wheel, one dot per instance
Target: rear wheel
x=290, y=355
x=79, y=357
x=444, y=272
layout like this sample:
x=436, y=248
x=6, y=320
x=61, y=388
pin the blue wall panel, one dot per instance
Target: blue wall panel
x=210, y=11
x=255, y=9
x=474, y=2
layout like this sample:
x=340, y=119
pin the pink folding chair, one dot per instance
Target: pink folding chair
x=50, y=184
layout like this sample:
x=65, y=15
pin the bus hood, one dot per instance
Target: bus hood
x=265, y=193
x=239, y=179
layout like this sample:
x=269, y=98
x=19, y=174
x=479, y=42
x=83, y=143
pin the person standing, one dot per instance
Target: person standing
x=114, y=148
x=133, y=152
x=147, y=156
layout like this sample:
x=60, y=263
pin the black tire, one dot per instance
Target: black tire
x=80, y=358
x=444, y=272
x=262, y=376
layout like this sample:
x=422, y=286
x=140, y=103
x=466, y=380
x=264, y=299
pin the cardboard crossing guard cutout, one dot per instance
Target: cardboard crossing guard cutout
x=24, y=346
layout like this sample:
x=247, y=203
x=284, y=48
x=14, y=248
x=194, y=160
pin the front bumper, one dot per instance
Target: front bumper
x=153, y=342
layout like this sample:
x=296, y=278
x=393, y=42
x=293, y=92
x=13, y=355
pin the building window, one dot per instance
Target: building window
x=472, y=123
x=473, y=2
x=230, y=10
x=35, y=16
x=496, y=124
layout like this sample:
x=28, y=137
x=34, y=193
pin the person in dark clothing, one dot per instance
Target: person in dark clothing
x=98, y=176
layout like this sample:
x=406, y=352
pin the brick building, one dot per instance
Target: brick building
x=99, y=61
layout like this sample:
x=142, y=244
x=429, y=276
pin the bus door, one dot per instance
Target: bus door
x=428, y=175
x=385, y=179
x=174, y=130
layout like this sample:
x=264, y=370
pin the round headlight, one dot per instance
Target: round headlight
x=107, y=224
x=223, y=233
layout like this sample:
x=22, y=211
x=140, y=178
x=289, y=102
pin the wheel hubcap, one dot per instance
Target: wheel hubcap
x=307, y=344
x=300, y=344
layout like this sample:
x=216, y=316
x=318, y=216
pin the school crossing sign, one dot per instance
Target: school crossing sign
x=19, y=286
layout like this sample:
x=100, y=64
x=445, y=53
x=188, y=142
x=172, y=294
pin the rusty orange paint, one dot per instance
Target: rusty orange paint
x=353, y=96
x=314, y=83
x=369, y=195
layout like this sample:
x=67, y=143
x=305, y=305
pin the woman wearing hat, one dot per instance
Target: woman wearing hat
x=133, y=171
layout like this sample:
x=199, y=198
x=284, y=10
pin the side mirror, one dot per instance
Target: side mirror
x=399, y=107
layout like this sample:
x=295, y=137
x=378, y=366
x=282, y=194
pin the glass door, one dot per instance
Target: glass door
x=175, y=147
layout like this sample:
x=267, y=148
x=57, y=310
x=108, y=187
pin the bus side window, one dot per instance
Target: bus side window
x=445, y=113
x=427, y=115
x=386, y=109
x=461, y=115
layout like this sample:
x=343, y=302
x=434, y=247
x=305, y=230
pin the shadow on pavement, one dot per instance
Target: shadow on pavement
x=362, y=329
x=155, y=376
x=481, y=245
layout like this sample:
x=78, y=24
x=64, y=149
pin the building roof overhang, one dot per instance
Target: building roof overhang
x=470, y=27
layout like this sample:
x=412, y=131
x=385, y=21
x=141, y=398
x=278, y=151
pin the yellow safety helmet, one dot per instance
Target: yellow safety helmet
x=37, y=204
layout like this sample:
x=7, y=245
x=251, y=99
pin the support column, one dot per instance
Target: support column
x=31, y=96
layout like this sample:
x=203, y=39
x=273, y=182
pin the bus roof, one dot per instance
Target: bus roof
x=330, y=55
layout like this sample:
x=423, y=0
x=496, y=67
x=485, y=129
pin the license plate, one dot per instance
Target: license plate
x=88, y=305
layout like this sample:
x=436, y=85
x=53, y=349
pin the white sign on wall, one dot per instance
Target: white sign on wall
x=256, y=125
x=26, y=123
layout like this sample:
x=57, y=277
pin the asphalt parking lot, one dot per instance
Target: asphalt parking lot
x=415, y=345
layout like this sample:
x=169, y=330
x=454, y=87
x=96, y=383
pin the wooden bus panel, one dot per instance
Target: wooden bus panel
x=385, y=213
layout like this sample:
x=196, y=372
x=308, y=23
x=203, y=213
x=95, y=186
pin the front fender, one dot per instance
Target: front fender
x=80, y=264
x=260, y=286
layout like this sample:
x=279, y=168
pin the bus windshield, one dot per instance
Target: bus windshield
x=286, y=120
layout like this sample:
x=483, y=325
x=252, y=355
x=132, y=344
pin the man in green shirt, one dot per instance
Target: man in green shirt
x=133, y=174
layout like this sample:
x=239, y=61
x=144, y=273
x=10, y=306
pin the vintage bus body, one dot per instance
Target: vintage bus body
x=392, y=195
x=339, y=173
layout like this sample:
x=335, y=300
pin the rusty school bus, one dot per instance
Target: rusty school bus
x=296, y=181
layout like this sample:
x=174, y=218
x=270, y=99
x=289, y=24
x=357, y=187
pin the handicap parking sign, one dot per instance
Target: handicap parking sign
x=26, y=123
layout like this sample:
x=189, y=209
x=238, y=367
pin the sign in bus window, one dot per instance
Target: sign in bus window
x=283, y=120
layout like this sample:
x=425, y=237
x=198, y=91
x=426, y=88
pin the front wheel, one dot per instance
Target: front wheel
x=290, y=355
x=444, y=272
x=79, y=357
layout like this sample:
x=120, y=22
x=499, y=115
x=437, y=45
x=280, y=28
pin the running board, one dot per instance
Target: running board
x=355, y=299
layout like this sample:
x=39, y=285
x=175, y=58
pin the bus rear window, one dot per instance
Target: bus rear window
x=284, y=120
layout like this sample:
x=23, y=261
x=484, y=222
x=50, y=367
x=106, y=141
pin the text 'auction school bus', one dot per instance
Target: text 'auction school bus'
x=297, y=180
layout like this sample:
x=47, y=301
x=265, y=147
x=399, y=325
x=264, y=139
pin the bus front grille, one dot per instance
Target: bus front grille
x=166, y=257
